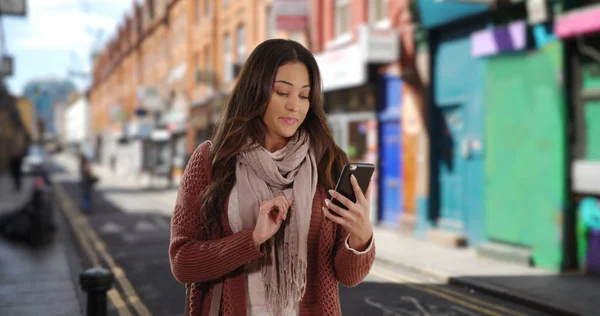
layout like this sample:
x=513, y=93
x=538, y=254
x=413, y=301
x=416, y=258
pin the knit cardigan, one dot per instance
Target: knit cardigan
x=200, y=262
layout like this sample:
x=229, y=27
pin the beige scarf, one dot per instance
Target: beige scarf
x=261, y=176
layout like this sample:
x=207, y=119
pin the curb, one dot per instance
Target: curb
x=487, y=288
x=517, y=297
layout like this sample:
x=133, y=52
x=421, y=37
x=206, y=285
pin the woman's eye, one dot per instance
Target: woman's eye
x=282, y=94
x=303, y=97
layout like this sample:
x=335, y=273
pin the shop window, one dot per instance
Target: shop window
x=357, y=141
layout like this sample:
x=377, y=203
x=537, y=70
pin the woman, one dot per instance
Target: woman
x=249, y=230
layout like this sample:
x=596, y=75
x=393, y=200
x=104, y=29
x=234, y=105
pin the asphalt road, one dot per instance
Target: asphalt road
x=137, y=242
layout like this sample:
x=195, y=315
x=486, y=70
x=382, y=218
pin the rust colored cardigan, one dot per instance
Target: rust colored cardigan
x=200, y=262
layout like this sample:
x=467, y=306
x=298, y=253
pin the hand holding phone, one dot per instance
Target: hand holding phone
x=349, y=205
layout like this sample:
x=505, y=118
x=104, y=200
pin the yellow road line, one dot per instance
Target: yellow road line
x=457, y=294
x=88, y=242
x=445, y=293
x=118, y=302
x=120, y=276
x=437, y=293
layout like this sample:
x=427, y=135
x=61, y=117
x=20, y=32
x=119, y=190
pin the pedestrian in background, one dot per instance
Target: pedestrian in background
x=249, y=232
x=19, y=150
x=87, y=182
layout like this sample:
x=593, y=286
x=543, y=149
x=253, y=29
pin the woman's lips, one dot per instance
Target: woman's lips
x=289, y=120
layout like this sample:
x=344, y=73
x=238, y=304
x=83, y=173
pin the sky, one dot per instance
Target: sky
x=59, y=35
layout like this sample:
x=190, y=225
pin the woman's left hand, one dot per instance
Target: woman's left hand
x=355, y=219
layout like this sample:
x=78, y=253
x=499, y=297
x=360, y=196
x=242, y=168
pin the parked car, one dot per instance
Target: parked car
x=35, y=160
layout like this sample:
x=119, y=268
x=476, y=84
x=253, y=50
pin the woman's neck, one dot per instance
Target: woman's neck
x=273, y=143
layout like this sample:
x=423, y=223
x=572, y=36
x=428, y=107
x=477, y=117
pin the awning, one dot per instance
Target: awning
x=578, y=22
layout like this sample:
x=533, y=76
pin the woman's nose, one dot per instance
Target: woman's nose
x=293, y=103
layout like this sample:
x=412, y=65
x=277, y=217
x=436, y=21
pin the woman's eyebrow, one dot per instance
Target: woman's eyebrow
x=290, y=84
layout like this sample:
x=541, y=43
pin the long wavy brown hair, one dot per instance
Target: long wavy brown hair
x=242, y=119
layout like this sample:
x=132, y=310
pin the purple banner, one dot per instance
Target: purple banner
x=512, y=37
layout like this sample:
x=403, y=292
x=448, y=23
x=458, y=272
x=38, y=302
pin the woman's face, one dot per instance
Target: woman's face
x=288, y=105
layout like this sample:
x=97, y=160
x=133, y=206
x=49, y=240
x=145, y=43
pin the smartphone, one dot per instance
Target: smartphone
x=363, y=173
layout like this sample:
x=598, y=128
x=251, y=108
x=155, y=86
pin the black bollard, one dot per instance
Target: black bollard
x=96, y=282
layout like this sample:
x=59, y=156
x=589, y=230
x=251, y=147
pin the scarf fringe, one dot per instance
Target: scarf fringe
x=289, y=289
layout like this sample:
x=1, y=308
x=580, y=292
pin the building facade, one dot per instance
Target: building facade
x=358, y=52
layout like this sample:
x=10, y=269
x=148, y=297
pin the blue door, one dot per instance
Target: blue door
x=458, y=116
x=390, y=166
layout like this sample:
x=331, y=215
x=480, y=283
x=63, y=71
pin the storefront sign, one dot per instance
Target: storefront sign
x=342, y=68
x=160, y=135
x=150, y=99
x=578, y=22
x=381, y=46
x=291, y=15
x=346, y=67
x=512, y=37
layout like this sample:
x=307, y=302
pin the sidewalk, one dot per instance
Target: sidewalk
x=118, y=188
x=34, y=281
x=571, y=294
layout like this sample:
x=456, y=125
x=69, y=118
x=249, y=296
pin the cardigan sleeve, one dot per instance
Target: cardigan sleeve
x=193, y=259
x=351, y=267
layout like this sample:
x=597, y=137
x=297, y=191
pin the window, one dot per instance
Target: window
x=270, y=23
x=227, y=59
x=377, y=11
x=197, y=12
x=342, y=17
x=207, y=58
x=207, y=8
x=241, y=43
x=165, y=48
x=182, y=30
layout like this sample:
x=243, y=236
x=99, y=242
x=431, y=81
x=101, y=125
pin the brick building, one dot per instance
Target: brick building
x=223, y=34
x=160, y=83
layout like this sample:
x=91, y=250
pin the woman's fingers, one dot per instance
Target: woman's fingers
x=360, y=197
x=336, y=219
x=347, y=214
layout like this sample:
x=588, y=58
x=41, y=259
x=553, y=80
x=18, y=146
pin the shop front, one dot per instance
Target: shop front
x=580, y=30
x=453, y=214
x=353, y=96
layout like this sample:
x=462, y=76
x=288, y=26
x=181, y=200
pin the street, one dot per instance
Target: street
x=133, y=243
